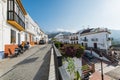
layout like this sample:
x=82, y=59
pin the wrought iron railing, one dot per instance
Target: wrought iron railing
x=14, y=17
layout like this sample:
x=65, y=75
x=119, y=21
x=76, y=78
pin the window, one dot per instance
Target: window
x=26, y=26
x=13, y=36
x=10, y=5
x=10, y=15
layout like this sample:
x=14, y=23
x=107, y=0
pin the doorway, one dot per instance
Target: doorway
x=95, y=45
x=86, y=45
x=82, y=44
x=18, y=38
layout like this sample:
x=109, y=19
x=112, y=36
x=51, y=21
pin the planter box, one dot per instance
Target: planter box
x=10, y=49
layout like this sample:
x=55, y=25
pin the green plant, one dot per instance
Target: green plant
x=57, y=44
x=77, y=76
x=71, y=66
x=53, y=39
x=85, y=67
x=71, y=69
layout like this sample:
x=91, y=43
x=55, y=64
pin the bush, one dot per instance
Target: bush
x=85, y=67
x=58, y=44
x=72, y=50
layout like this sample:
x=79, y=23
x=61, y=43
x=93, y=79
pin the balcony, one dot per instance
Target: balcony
x=94, y=39
x=72, y=39
x=16, y=14
x=76, y=38
x=85, y=39
x=15, y=20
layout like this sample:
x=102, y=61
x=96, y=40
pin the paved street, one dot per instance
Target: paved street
x=110, y=70
x=115, y=73
x=106, y=66
x=32, y=65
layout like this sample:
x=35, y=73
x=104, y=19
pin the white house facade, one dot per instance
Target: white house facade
x=12, y=22
x=30, y=28
x=74, y=38
x=66, y=39
x=59, y=37
x=16, y=25
x=96, y=38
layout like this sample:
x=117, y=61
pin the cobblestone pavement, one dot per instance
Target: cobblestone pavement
x=33, y=67
x=115, y=73
x=108, y=69
x=106, y=66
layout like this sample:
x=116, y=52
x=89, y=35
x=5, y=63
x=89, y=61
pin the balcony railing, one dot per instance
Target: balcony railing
x=72, y=39
x=85, y=40
x=76, y=38
x=12, y=16
x=94, y=39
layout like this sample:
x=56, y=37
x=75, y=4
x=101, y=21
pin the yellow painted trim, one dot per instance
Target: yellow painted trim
x=21, y=6
x=16, y=25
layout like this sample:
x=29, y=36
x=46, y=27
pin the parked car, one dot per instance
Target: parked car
x=41, y=42
x=88, y=55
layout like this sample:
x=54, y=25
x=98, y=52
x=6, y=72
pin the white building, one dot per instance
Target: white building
x=62, y=38
x=46, y=38
x=74, y=38
x=30, y=29
x=66, y=39
x=16, y=25
x=12, y=22
x=59, y=37
x=96, y=38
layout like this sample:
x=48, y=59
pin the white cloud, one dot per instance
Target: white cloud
x=109, y=14
x=66, y=30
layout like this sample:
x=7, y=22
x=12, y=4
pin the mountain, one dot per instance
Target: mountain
x=116, y=36
x=53, y=34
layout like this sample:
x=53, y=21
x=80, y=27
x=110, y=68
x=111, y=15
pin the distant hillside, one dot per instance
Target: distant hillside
x=116, y=36
x=53, y=34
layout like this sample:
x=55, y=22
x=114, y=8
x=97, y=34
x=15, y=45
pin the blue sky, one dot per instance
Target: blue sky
x=73, y=15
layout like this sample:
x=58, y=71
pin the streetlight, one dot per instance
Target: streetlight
x=101, y=66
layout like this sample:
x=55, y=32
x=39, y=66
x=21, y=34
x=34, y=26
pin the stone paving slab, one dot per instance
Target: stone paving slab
x=7, y=63
x=32, y=66
x=115, y=73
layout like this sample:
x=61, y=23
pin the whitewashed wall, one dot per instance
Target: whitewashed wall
x=30, y=24
x=5, y=28
x=22, y=36
x=102, y=42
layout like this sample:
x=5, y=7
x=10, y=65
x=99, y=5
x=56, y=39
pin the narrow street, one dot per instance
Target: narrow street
x=32, y=65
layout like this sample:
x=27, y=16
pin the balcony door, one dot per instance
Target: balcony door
x=95, y=45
